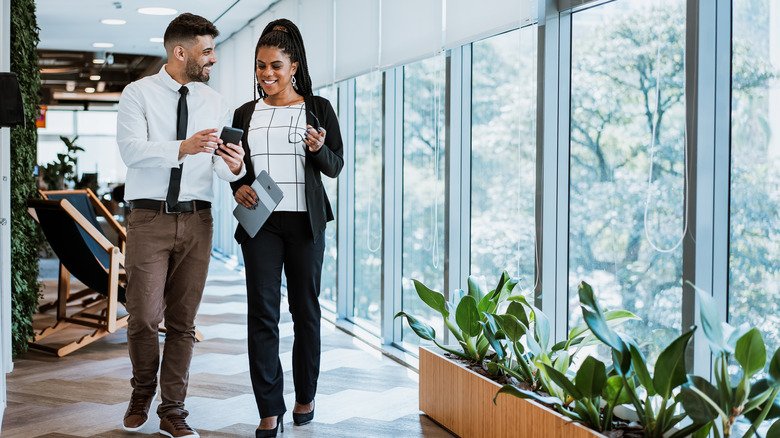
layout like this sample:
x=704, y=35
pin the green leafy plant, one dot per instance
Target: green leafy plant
x=734, y=394
x=543, y=369
x=25, y=236
x=61, y=173
x=653, y=398
x=468, y=322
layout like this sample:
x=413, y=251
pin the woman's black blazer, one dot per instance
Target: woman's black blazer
x=328, y=160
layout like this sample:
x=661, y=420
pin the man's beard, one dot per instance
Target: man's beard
x=195, y=72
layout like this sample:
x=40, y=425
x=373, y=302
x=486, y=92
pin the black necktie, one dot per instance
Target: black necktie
x=172, y=198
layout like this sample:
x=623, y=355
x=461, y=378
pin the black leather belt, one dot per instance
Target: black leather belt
x=181, y=207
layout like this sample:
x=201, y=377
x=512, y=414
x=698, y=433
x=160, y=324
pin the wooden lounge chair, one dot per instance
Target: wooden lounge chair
x=86, y=253
x=88, y=204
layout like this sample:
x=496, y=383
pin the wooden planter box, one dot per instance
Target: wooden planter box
x=462, y=401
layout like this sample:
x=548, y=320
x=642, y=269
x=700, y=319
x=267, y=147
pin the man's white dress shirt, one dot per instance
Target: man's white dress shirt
x=146, y=134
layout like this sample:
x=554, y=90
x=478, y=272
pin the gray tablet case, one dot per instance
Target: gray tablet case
x=269, y=194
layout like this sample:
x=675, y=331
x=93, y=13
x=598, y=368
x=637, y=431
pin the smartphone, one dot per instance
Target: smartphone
x=230, y=135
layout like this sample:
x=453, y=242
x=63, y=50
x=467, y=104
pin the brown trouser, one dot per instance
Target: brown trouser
x=167, y=263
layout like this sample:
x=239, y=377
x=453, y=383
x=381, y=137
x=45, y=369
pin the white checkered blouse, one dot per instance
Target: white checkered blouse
x=276, y=145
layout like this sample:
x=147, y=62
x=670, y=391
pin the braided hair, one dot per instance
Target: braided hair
x=284, y=35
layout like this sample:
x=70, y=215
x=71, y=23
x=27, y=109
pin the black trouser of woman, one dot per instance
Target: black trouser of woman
x=284, y=241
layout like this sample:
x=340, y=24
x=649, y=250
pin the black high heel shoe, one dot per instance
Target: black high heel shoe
x=301, y=419
x=265, y=433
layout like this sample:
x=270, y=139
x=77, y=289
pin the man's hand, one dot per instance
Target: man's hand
x=246, y=196
x=202, y=141
x=233, y=156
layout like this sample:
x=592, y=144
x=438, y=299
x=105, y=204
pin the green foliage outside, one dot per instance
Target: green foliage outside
x=25, y=237
x=624, y=231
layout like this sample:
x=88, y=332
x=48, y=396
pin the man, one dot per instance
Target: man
x=166, y=131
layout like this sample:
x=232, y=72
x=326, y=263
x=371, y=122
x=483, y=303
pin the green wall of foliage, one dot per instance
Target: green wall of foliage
x=25, y=236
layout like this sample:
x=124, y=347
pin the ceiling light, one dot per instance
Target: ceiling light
x=157, y=11
x=94, y=78
x=156, y=40
x=113, y=21
x=98, y=61
x=89, y=90
x=102, y=45
x=70, y=86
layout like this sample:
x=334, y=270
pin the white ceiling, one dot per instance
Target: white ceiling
x=75, y=24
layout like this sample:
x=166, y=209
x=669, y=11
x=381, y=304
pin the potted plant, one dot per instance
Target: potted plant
x=458, y=390
x=739, y=355
x=60, y=174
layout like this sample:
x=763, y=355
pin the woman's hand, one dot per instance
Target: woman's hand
x=233, y=156
x=246, y=196
x=314, y=140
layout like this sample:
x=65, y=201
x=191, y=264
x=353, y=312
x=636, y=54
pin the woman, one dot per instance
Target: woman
x=279, y=137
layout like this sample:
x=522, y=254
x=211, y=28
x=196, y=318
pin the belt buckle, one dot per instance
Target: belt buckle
x=167, y=211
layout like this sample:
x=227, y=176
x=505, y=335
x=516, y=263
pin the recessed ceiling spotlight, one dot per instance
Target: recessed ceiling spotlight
x=113, y=21
x=89, y=90
x=156, y=40
x=102, y=45
x=157, y=11
x=94, y=78
x=98, y=61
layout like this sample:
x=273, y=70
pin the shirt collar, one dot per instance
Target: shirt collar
x=170, y=82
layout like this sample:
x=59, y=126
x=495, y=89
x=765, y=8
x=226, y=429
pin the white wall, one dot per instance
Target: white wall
x=5, y=218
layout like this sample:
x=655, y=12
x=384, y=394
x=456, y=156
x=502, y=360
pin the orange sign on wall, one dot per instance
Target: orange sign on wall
x=40, y=121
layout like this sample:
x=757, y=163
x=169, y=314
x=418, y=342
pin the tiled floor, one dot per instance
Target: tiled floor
x=361, y=392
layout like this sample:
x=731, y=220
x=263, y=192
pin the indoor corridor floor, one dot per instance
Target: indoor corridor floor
x=361, y=392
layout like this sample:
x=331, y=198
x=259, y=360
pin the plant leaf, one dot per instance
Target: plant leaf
x=467, y=316
x=614, y=317
x=433, y=299
x=774, y=430
x=420, y=328
x=591, y=377
x=614, y=392
x=750, y=352
x=639, y=363
x=670, y=367
x=475, y=290
x=595, y=320
x=488, y=329
x=562, y=381
x=774, y=368
x=541, y=328
x=487, y=304
x=517, y=310
x=699, y=405
x=512, y=328
x=523, y=393
x=760, y=391
x=502, y=279
x=711, y=321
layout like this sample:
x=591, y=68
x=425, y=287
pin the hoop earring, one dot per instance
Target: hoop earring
x=294, y=83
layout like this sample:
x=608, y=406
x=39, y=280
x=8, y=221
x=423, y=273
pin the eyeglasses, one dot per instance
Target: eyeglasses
x=317, y=123
x=293, y=136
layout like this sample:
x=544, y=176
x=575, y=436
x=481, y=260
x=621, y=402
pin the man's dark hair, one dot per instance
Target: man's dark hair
x=186, y=27
x=284, y=35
